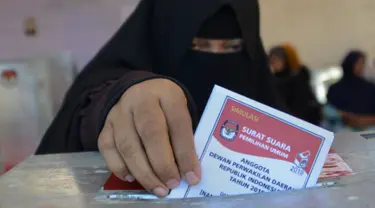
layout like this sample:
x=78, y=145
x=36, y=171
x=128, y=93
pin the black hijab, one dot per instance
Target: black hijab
x=157, y=38
x=159, y=32
x=352, y=93
x=348, y=64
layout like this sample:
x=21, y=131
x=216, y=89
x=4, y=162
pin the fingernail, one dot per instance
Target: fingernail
x=191, y=178
x=172, y=184
x=160, y=192
x=129, y=178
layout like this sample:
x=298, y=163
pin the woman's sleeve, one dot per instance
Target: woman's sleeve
x=77, y=126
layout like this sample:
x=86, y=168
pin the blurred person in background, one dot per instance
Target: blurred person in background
x=353, y=96
x=369, y=73
x=139, y=100
x=293, y=84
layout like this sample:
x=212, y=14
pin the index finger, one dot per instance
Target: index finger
x=182, y=138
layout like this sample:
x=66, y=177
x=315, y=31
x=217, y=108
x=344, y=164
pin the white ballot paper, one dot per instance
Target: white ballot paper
x=246, y=147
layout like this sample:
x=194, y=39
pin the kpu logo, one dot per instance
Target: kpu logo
x=229, y=130
x=300, y=162
x=302, y=159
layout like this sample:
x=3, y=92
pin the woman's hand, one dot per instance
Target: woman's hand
x=148, y=136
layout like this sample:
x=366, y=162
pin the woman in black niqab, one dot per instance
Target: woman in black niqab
x=157, y=42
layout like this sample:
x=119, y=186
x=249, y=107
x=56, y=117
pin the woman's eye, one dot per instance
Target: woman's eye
x=204, y=44
x=228, y=45
x=201, y=43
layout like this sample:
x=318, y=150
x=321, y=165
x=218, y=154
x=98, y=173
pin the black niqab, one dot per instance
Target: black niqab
x=159, y=32
x=229, y=70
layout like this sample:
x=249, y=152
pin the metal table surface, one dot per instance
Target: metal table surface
x=74, y=180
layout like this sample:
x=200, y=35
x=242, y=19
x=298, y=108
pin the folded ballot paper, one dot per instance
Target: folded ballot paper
x=246, y=147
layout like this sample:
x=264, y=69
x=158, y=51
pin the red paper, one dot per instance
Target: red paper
x=335, y=166
x=113, y=183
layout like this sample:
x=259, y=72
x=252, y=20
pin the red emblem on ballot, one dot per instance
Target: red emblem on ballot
x=9, y=77
x=302, y=159
x=229, y=130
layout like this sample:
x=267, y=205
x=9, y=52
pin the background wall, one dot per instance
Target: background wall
x=80, y=26
x=321, y=29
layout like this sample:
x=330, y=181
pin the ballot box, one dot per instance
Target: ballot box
x=76, y=180
x=31, y=93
